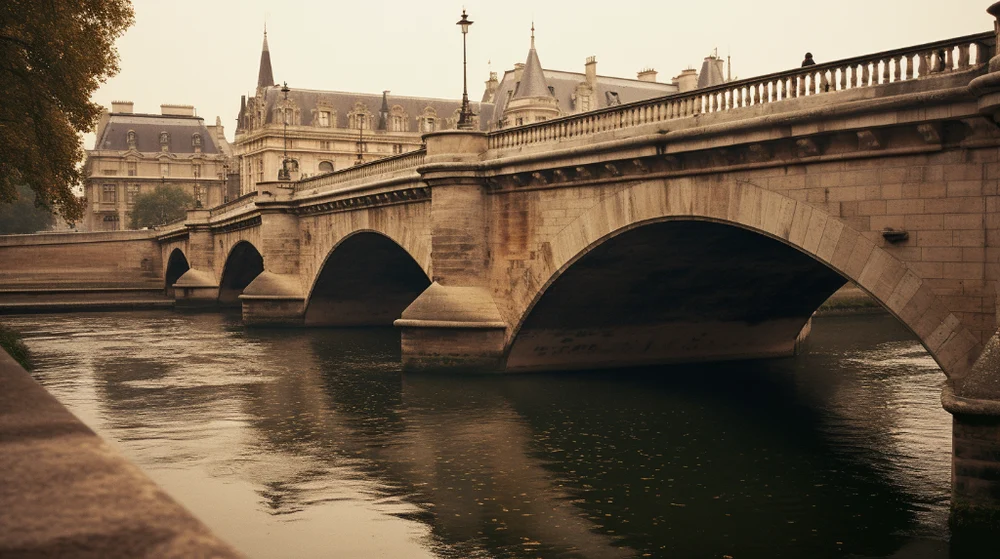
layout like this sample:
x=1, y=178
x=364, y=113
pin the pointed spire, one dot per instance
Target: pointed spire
x=265, y=77
x=383, y=113
x=532, y=78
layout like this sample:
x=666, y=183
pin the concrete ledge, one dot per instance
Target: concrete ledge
x=65, y=493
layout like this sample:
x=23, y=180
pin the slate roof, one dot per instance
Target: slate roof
x=343, y=103
x=147, y=130
x=265, y=76
x=563, y=85
x=711, y=72
x=532, y=78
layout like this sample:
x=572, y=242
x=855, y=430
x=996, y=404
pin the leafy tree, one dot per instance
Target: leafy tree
x=53, y=56
x=163, y=205
x=23, y=215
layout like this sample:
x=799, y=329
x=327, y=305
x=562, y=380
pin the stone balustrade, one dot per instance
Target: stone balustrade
x=882, y=68
x=245, y=200
x=379, y=167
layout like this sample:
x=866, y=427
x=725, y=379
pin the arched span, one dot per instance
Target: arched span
x=733, y=216
x=177, y=264
x=366, y=280
x=243, y=264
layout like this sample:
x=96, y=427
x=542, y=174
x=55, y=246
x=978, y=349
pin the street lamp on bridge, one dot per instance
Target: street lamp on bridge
x=283, y=173
x=465, y=116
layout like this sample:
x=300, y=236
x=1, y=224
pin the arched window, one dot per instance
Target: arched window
x=325, y=167
x=164, y=141
x=131, y=139
x=196, y=140
x=293, y=166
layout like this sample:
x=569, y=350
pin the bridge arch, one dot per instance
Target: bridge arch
x=177, y=265
x=243, y=264
x=682, y=212
x=366, y=279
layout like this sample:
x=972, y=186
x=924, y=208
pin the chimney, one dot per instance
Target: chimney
x=647, y=75
x=590, y=67
x=124, y=107
x=518, y=71
x=177, y=110
x=686, y=81
x=491, y=88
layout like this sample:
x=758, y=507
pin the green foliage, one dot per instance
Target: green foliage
x=23, y=215
x=53, y=56
x=163, y=205
x=10, y=341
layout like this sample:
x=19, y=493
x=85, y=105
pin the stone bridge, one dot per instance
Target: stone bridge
x=706, y=225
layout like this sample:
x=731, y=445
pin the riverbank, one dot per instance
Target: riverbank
x=64, y=492
x=849, y=300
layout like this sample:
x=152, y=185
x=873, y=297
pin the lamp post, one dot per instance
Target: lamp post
x=283, y=174
x=361, y=138
x=465, y=116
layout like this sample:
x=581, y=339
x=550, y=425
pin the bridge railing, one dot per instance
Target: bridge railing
x=891, y=66
x=246, y=199
x=384, y=166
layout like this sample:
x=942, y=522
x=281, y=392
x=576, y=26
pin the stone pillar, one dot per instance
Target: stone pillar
x=974, y=402
x=276, y=296
x=199, y=286
x=974, y=398
x=455, y=326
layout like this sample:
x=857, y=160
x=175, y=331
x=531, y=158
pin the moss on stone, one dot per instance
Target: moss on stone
x=11, y=342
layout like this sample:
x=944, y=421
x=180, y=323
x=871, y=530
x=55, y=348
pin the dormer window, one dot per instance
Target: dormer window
x=612, y=97
x=131, y=139
x=324, y=119
x=196, y=141
x=164, y=141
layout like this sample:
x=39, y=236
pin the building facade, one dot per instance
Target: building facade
x=136, y=153
x=319, y=131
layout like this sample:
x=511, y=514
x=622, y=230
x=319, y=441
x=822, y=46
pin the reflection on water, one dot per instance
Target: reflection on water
x=311, y=443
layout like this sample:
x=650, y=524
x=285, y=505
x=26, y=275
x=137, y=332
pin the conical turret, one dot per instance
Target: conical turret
x=532, y=101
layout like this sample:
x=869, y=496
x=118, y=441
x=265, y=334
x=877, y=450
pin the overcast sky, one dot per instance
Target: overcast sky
x=206, y=53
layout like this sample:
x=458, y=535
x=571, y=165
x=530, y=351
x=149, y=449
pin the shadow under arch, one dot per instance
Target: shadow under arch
x=666, y=218
x=243, y=264
x=367, y=279
x=177, y=265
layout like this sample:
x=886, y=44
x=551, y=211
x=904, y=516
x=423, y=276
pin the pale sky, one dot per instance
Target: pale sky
x=206, y=53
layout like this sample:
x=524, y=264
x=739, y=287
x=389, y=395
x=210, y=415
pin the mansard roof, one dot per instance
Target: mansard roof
x=147, y=130
x=343, y=103
x=563, y=85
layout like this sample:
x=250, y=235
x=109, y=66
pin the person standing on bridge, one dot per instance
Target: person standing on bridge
x=808, y=60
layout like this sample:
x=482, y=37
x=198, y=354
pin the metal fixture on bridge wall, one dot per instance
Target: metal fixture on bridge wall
x=895, y=235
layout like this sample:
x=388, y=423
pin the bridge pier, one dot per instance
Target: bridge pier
x=275, y=297
x=454, y=325
x=974, y=398
x=974, y=402
x=198, y=287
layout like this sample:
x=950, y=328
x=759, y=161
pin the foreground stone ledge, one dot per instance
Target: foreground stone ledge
x=65, y=493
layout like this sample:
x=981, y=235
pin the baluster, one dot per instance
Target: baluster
x=963, y=56
x=923, y=64
x=911, y=68
x=840, y=73
x=825, y=82
x=892, y=70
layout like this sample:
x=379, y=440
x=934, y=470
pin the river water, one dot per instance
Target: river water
x=312, y=443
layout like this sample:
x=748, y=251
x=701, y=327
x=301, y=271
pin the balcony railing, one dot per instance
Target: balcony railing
x=892, y=66
x=384, y=166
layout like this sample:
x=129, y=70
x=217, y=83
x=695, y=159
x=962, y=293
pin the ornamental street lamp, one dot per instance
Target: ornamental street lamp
x=283, y=173
x=465, y=116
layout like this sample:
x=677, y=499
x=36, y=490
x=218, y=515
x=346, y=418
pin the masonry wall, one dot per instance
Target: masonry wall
x=126, y=258
x=947, y=201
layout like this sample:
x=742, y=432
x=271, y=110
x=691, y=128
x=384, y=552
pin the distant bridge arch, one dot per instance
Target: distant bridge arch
x=177, y=265
x=242, y=265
